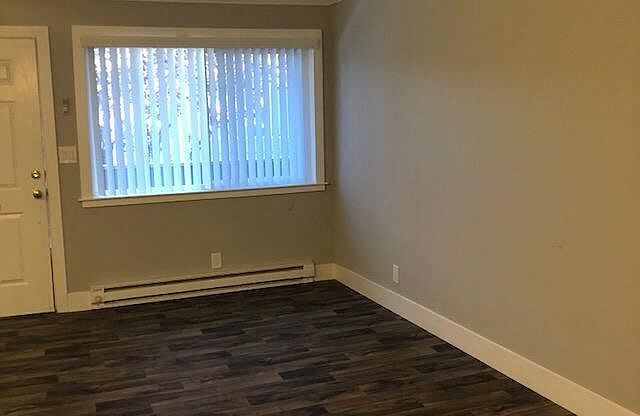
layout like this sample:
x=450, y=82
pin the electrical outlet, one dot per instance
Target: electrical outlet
x=216, y=260
x=396, y=273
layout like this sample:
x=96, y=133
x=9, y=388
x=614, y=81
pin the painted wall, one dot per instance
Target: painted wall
x=135, y=242
x=491, y=149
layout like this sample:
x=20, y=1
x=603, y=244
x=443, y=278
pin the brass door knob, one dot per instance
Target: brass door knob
x=37, y=193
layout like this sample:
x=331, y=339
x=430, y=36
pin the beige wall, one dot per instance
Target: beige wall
x=130, y=243
x=492, y=150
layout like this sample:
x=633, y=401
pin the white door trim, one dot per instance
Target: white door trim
x=41, y=36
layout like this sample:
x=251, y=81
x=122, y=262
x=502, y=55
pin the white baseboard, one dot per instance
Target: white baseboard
x=77, y=301
x=325, y=271
x=545, y=382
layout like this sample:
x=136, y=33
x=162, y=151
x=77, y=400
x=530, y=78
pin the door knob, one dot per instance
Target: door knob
x=35, y=174
x=37, y=193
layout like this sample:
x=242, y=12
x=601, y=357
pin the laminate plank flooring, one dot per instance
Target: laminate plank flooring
x=305, y=350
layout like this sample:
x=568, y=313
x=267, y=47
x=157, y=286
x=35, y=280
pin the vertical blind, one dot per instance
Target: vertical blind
x=167, y=120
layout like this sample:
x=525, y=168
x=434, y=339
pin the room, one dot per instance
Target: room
x=320, y=207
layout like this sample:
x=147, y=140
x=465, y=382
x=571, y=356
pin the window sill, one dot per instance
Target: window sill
x=198, y=196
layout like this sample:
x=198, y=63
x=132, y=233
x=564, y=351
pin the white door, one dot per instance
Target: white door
x=25, y=266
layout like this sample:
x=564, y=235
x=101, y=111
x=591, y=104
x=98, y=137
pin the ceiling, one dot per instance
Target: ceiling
x=271, y=2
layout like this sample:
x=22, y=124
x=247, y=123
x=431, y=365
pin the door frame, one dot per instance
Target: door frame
x=40, y=34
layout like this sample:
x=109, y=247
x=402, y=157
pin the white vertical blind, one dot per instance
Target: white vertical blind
x=168, y=120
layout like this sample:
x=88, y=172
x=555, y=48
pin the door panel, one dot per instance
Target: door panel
x=7, y=165
x=25, y=267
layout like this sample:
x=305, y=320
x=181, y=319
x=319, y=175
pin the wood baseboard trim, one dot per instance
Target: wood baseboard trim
x=545, y=382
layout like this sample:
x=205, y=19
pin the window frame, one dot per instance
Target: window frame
x=131, y=36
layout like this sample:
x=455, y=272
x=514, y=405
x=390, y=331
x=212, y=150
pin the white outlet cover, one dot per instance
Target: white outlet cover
x=216, y=260
x=396, y=273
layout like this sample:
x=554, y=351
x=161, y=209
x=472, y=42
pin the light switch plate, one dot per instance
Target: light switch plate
x=67, y=155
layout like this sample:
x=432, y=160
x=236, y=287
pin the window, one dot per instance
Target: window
x=177, y=114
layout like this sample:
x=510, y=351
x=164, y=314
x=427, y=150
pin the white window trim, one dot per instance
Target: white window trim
x=111, y=201
x=90, y=36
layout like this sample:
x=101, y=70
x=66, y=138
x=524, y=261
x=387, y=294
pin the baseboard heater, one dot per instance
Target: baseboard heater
x=156, y=290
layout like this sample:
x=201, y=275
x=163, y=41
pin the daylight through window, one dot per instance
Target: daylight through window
x=170, y=120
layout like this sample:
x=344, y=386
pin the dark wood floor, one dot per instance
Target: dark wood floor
x=314, y=349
